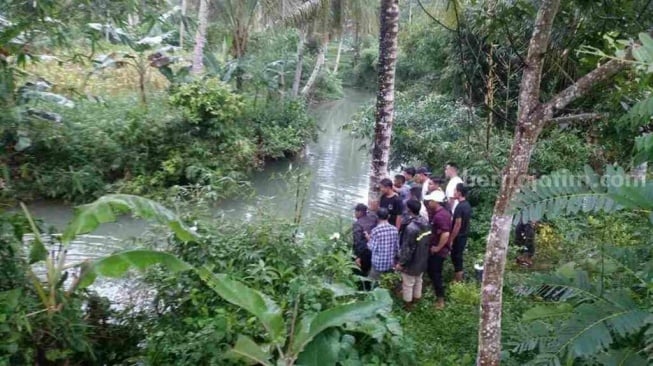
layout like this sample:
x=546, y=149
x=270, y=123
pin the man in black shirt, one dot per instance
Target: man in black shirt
x=458, y=238
x=362, y=254
x=391, y=201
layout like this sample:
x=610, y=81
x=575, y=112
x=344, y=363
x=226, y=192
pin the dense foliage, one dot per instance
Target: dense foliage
x=98, y=99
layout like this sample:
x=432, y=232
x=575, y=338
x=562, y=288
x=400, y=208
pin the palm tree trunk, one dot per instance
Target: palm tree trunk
x=200, y=38
x=531, y=119
x=386, y=95
x=318, y=65
x=184, y=5
x=335, y=67
x=300, y=63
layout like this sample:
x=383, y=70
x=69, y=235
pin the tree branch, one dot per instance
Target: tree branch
x=576, y=117
x=419, y=2
x=529, y=90
x=583, y=85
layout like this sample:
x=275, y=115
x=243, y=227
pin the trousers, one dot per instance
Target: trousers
x=434, y=270
x=411, y=287
x=457, y=250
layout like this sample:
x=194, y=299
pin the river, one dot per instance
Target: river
x=338, y=178
x=337, y=170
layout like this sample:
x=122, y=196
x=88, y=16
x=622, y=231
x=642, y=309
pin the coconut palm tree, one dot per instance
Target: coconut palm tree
x=200, y=37
x=365, y=21
x=389, y=22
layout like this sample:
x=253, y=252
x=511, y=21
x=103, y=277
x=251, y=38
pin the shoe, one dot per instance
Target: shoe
x=408, y=306
x=439, y=304
x=524, y=261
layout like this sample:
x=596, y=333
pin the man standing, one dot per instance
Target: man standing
x=458, y=238
x=362, y=227
x=451, y=172
x=384, y=246
x=435, y=184
x=416, y=194
x=402, y=189
x=525, y=240
x=391, y=201
x=409, y=174
x=440, y=228
x=413, y=255
x=422, y=178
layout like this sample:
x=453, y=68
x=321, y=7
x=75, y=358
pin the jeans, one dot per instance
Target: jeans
x=411, y=287
x=457, y=250
x=436, y=263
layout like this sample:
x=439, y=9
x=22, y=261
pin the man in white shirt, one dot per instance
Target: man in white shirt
x=451, y=172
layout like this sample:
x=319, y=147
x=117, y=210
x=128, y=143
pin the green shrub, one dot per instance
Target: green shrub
x=328, y=86
x=206, y=135
x=197, y=326
x=210, y=105
x=281, y=129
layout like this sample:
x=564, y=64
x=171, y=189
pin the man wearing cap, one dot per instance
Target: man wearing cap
x=439, y=249
x=422, y=178
x=363, y=225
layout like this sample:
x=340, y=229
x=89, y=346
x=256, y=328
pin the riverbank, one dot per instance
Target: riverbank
x=180, y=139
x=333, y=166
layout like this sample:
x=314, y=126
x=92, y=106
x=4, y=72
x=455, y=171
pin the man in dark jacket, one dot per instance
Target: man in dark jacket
x=364, y=224
x=414, y=254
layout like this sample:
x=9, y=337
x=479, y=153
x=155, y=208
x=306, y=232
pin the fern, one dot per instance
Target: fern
x=582, y=320
x=563, y=193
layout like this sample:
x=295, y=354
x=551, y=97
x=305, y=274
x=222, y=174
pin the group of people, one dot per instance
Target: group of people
x=419, y=221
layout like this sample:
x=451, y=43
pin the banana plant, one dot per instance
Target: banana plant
x=303, y=339
x=158, y=55
x=86, y=219
x=287, y=341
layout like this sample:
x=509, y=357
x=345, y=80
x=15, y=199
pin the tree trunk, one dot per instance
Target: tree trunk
x=335, y=67
x=300, y=63
x=385, y=98
x=531, y=118
x=200, y=38
x=141, y=85
x=357, y=43
x=184, y=5
x=318, y=65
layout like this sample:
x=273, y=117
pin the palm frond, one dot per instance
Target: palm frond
x=622, y=357
x=582, y=322
x=564, y=193
x=305, y=12
x=648, y=339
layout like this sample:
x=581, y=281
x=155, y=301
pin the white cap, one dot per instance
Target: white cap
x=437, y=196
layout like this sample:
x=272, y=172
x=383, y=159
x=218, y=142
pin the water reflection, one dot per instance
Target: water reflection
x=337, y=166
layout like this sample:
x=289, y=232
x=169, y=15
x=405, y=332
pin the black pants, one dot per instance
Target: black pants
x=525, y=238
x=364, y=270
x=457, y=250
x=434, y=270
